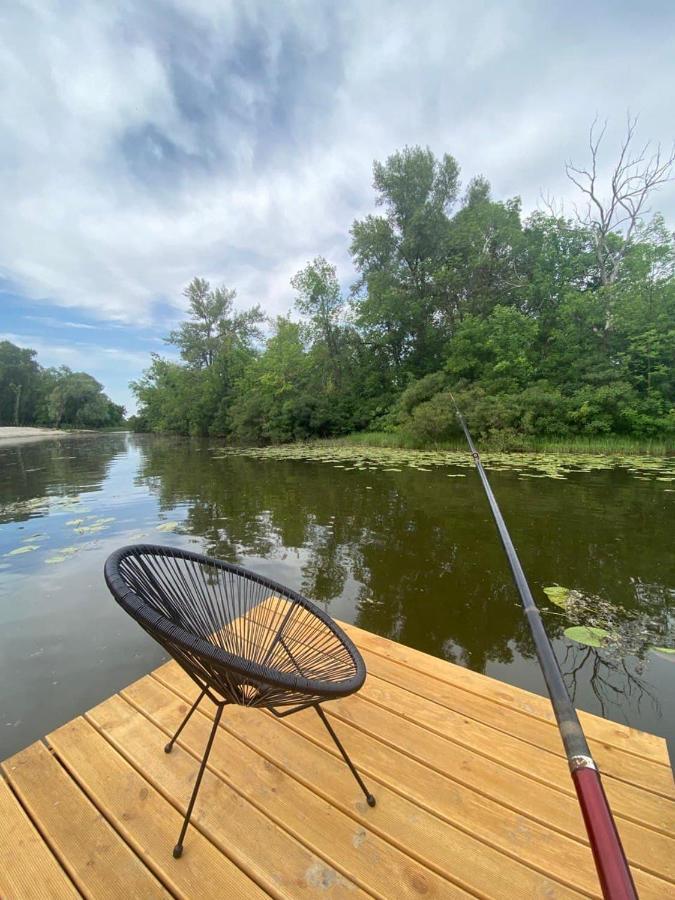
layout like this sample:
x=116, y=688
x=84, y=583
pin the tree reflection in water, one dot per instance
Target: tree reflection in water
x=614, y=681
x=414, y=556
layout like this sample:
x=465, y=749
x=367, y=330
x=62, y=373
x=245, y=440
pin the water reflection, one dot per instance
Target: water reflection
x=56, y=467
x=410, y=555
x=418, y=559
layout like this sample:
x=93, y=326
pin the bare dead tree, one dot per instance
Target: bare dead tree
x=551, y=205
x=613, y=213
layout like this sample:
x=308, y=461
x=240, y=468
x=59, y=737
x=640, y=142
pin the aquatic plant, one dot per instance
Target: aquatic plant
x=354, y=457
x=598, y=623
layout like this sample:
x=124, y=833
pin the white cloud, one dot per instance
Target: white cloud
x=77, y=354
x=59, y=323
x=145, y=144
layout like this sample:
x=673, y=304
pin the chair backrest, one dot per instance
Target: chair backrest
x=197, y=593
x=250, y=638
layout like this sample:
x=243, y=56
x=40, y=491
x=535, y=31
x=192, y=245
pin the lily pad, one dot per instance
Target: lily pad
x=167, y=526
x=558, y=595
x=591, y=636
x=28, y=548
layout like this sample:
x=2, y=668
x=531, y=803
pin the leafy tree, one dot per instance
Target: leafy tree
x=213, y=320
x=77, y=399
x=31, y=395
x=320, y=300
x=19, y=384
x=534, y=329
x=272, y=402
x=482, y=262
x=397, y=256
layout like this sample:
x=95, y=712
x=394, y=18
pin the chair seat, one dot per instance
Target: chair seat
x=250, y=639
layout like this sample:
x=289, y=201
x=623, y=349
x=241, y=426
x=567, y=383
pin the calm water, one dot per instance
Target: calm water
x=409, y=554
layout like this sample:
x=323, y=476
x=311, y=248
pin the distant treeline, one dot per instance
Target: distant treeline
x=547, y=325
x=57, y=397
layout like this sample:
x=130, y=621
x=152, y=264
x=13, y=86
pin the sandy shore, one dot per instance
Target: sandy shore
x=23, y=435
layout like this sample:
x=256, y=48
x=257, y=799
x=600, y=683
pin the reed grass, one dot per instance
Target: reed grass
x=601, y=444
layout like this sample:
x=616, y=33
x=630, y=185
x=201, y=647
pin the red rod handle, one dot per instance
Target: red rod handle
x=610, y=860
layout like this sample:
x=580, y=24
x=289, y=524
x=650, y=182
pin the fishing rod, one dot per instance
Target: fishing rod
x=610, y=860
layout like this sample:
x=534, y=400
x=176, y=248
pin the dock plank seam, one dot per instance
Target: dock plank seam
x=382, y=783
x=81, y=798
x=486, y=810
x=196, y=823
x=589, y=720
x=35, y=825
x=507, y=736
x=154, y=865
x=599, y=745
x=315, y=787
x=655, y=822
x=651, y=881
x=460, y=883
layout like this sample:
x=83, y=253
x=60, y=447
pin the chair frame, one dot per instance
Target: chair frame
x=215, y=671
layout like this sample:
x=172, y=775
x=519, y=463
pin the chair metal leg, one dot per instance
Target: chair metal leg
x=178, y=849
x=369, y=797
x=169, y=746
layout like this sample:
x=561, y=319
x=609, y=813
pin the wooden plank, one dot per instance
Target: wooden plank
x=431, y=840
x=28, y=871
x=653, y=775
x=442, y=725
x=632, y=740
x=277, y=861
x=374, y=864
x=95, y=857
x=613, y=761
x=484, y=815
x=645, y=848
x=145, y=819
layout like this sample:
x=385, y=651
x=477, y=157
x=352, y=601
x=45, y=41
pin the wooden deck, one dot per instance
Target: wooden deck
x=473, y=796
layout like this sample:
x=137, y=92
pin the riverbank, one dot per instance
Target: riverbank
x=606, y=444
x=11, y=435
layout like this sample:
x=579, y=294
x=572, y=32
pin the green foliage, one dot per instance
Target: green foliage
x=213, y=323
x=77, y=399
x=272, y=401
x=20, y=385
x=513, y=316
x=31, y=395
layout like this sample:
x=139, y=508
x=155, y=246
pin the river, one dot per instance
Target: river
x=400, y=544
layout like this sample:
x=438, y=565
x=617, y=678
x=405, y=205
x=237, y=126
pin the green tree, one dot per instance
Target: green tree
x=546, y=326
x=499, y=351
x=19, y=384
x=77, y=399
x=398, y=255
x=320, y=301
x=213, y=320
x=482, y=263
x=272, y=402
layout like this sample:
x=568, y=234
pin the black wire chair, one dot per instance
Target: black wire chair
x=242, y=638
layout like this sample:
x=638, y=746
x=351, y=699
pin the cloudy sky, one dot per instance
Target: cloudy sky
x=143, y=143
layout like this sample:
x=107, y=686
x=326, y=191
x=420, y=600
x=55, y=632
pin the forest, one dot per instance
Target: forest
x=545, y=325
x=54, y=397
